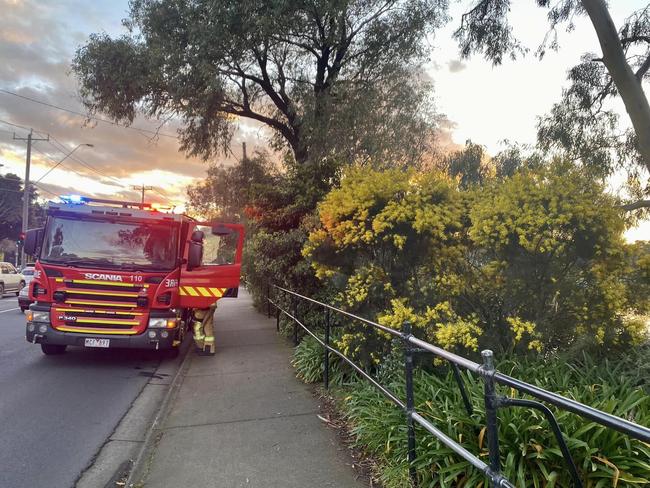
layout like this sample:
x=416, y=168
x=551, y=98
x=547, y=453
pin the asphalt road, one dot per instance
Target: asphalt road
x=57, y=411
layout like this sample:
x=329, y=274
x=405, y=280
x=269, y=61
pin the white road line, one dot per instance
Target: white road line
x=10, y=310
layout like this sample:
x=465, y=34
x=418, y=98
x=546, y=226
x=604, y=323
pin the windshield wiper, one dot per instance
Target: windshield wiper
x=91, y=262
x=148, y=267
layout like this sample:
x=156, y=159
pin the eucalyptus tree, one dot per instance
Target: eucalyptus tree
x=334, y=79
x=583, y=124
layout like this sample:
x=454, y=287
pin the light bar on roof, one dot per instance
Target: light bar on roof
x=72, y=198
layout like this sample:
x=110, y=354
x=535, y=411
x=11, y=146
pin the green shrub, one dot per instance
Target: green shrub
x=532, y=263
x=530, y=455
x=308, y=359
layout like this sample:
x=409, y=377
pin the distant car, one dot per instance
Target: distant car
x=10, y=279
x=28, y=273
x=23, y=299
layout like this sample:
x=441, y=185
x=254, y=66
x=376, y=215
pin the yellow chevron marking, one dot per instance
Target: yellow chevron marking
x=104, y=321
x=204, y=291
x=191, y=291
x=101, y=304
x=102, y=293
x=218, y=292
x=97, y=331
x=181, y=291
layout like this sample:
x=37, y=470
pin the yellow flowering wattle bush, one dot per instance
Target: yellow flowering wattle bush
x=530, y=263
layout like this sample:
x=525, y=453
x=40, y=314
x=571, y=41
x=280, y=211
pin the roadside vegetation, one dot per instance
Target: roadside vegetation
x=530, y=454
x=522, y=252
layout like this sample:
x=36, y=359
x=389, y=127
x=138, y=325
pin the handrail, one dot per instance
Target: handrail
x=492, y=401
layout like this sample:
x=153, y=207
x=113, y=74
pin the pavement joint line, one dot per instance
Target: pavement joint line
x=146, y=450
x=109, y=439
x=242, y=346
x=240, y=421
x=112, y=439
x=233, y=373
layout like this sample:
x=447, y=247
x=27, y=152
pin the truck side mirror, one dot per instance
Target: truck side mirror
x=197, y=236
x=33, y=241
x=194, y=255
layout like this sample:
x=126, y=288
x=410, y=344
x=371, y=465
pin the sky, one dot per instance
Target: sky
x=484, y=103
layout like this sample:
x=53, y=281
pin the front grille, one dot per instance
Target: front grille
x=102, y=285
x=85, y=306
x=98, y=325
x=110, y=297
x=98, y=314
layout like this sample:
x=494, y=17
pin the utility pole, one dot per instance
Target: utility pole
x=26, y=190
x=243, y=146
x=143, y=189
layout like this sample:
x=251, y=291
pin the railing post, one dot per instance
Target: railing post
x=410, y=401
x=326, y=359
x=277, y=312
x=491, y=406
x=295, y=316
x=268, y=300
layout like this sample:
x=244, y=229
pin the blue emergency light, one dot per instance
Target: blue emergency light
x=72, y=198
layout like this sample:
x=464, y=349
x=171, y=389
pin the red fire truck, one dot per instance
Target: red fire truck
x=123, y=274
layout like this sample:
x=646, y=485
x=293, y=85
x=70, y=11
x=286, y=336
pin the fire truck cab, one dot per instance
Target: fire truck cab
x=123, y=274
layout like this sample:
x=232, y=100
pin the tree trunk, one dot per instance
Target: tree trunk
x=627, y=84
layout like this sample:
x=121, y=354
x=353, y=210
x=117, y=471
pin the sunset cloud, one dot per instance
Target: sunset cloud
x=37, y=43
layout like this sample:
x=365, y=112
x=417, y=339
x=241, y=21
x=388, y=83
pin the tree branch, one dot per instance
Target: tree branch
x=629, y=207
x=266, y=84
x=629, y=40
x=643, y=69
x=285, y=130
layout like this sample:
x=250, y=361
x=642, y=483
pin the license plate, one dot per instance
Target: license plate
x=97, y=342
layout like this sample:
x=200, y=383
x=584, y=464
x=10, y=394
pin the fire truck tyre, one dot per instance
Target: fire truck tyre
x=52, y=349
x=22, y=309
x=22, y=285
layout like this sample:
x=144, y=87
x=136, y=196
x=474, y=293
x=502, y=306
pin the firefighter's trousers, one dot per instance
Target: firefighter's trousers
x=204, y=329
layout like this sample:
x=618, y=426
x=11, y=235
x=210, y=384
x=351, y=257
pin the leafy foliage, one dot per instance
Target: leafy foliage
x=308, y=361
x=11, y=205
x=535, y=261
x=583, y=126
x=530, y=455
x=299, y=68
x=227, y=191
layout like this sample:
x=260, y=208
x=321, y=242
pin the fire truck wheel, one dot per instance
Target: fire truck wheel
x=52, y=349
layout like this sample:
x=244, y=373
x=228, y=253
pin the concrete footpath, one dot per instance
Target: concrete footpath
x=241, y=418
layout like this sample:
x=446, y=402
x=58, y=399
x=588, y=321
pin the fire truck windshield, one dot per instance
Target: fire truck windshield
x=111, y=244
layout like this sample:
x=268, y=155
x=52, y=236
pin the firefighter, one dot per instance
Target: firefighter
x=204, y=329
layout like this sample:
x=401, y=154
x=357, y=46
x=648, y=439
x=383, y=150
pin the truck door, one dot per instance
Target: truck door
x=218, y=272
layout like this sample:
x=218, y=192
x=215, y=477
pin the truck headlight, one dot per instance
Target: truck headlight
x=163, y=323
x=36, y=316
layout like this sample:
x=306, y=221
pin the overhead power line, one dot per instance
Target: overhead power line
x=78, y=159
x=46, y=191
x=60, y=147
x=91, y=117
x=56, y=163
